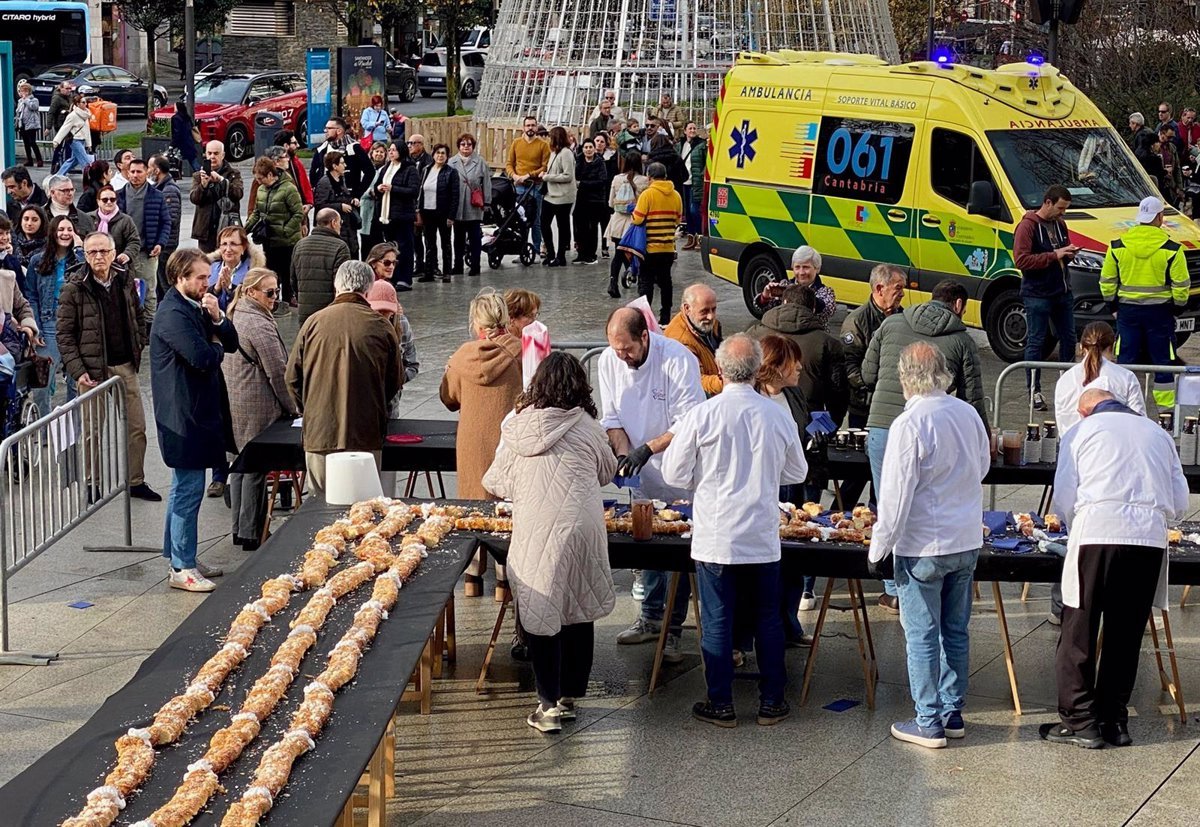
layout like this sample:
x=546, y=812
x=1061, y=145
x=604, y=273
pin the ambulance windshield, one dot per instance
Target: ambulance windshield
x=1092, y=163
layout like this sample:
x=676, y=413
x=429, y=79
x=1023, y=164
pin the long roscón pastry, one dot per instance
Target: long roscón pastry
x=135, y=751
x=310, y=718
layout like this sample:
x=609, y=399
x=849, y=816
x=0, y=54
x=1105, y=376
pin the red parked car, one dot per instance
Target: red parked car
x=226, y=104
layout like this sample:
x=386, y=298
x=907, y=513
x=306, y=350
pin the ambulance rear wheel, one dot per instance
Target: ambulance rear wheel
x=763, y=268
x=1006, y=326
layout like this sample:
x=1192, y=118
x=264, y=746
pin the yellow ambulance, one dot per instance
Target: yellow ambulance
x=925, y=165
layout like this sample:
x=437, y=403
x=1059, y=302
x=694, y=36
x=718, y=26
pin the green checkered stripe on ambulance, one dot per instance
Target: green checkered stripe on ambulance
x=849, y=229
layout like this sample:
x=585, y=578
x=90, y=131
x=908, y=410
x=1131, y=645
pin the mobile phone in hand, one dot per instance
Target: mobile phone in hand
x=206, y=165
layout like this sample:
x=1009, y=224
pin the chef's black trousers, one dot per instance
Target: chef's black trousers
x=1116, y=585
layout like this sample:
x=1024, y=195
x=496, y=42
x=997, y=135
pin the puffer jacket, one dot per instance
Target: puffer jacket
x=282, y=209
x=446, y=191
x=156, y=217
x=823, y=377
x=931, y=322
x=80, y=323
x=314, y=263
x=695, y=164
x=77, y=126
x=482, y=381
x=551, y=464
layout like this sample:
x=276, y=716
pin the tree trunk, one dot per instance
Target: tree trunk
x=453, y=65
x=152, y=75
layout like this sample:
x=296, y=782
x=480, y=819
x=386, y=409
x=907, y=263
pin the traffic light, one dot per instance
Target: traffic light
x=1042, y=11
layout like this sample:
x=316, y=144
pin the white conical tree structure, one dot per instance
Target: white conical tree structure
x=554, y=59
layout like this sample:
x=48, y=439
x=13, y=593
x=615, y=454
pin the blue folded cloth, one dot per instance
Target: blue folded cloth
x=685, y=510
x=634, y=481
x=996, y=521
x=1009, y=543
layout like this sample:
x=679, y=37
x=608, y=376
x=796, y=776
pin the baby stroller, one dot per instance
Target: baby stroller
x=506, y=227
x=17, y=407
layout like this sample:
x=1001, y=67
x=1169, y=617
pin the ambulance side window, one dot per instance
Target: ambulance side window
x=862, y=159
x=954, y=162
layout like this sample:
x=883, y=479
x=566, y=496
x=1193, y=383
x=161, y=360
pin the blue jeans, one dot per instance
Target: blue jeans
x=721, y=587
x=183, y=507
x=1040, y=314
x=935, y=608
x=44, y=397
x=533, y=213
x=876, y=446
x=656, y=584
x=691, y=210
x=79, y=155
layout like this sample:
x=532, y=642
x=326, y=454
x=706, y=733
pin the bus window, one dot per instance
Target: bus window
x=44, y=34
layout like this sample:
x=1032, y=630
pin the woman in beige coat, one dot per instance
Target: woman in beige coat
x=552, y=460
x=258, y=394
x=482, y=381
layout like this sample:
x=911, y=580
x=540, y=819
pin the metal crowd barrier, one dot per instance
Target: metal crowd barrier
x=54, y=474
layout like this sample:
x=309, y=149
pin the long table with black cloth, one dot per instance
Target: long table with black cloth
x=280, y=447
x=55, y=786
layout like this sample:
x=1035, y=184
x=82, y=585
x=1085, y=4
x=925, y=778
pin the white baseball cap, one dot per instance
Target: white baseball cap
x=1149, y=209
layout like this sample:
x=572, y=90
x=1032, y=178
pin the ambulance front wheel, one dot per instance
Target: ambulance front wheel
x=758, y=272
x=1006, y=327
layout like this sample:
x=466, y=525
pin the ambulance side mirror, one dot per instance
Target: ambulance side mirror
x=985, y=201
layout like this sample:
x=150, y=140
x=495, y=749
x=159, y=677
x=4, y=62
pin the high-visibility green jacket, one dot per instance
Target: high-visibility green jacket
x=1145, y=266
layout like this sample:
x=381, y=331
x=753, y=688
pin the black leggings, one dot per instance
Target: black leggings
x=562, y=663
x=656, y=271
x=556, y=214
x=32, y=150
x=435, y=228
x=279, y=259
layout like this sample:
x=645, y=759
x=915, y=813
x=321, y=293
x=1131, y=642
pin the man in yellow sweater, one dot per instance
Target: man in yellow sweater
x=528, y=157
x=660, y=208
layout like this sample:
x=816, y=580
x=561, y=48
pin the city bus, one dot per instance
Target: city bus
x=44, y=34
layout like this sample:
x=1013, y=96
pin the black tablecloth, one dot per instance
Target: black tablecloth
x=56, y=786
x=280, y=448
x=665, y=553
x=853, y=465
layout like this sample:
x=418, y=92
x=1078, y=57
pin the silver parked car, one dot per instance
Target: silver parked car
x=431, y=75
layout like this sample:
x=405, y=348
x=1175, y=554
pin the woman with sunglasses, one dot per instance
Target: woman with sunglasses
x=235, y=256
x=258, y=394
x=109, y=219
x=46, y=276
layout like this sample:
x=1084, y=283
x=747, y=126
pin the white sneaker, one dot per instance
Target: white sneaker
x=641, y=631
x=638, y=591
x=808, y=602
x=545, y=720
x=190, y=580
x=671, y=653
x=566, y=709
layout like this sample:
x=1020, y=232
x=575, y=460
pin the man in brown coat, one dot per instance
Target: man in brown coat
x=101, y=333
x=208, y=188
x=695, y=327
x=344, y=368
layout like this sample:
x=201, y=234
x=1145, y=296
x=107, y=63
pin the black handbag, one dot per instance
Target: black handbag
x=259, y=232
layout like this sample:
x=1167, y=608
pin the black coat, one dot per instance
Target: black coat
x=447, y=191
x=191, y=406
x=677, y=173
x=402, y=206
x=358, y=167
x=593, y=181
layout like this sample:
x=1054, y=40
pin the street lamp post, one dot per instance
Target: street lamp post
x=929, y=34
x=189, y=65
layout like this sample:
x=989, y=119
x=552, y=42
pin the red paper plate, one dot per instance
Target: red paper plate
x=405, y=439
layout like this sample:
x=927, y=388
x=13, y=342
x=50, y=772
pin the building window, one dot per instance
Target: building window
x=263, y=18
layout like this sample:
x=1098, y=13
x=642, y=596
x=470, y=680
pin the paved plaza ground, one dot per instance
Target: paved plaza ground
x=634, y=759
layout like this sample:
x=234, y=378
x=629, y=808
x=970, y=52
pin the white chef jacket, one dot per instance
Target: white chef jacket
x=938, y=453
x=735, y=450
x=1118, y=482
x=1121, y=383
x=650, y=401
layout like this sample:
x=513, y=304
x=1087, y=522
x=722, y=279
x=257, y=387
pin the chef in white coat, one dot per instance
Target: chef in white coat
x=1118, y=486
x=647, y=383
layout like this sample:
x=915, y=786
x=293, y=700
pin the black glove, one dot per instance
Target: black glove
x=884, y=569
x=632, y=462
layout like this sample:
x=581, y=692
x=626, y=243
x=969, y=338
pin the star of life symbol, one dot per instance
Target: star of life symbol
x=743, y=144
x=1033, y=81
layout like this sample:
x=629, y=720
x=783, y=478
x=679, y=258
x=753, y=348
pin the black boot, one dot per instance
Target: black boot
x=613, y=291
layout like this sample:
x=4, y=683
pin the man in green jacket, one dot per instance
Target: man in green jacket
x=1145, y=275
x=939, y=322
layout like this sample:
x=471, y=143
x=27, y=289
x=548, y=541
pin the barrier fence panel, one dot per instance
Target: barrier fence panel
x=1019, y=368
x=54, y=474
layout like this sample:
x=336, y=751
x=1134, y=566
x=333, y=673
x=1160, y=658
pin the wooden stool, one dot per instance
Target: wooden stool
x=491, y=647
x=1009, y=663
x=666, y=626
x=375, y=781
x=862, y=629
x=1183, y=597
x=278, y=480
x=1171, y=683
x=422, y=679
x=411, y=485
